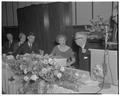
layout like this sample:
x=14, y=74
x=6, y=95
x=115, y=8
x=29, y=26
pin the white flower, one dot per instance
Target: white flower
x=34, y=68
x=56, y=72
x=76, y=74
x=25, y=71
x=84, y=76
x=21, y=67
x=44, y=70
x=10, y=57
x=62, y=69
x=51, y=61
x=34, y=77
x=38, y=56
x=24, y=58
x=34, y=62
x=26, y=78
x=46, y=61
x=99, y=67
x=49, y=68
x=59, y=75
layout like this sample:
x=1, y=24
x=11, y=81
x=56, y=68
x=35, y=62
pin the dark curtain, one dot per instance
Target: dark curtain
x=46, y=21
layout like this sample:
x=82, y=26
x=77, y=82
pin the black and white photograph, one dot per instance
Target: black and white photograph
x=59, y=47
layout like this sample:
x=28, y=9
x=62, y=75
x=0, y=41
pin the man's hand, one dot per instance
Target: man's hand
x=83, y=50
x=10, y=53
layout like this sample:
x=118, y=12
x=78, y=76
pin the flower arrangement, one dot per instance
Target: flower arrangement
x=37, y=66
x=33, y=67
x=99, y=26
x=98, y=72
x=40, y=71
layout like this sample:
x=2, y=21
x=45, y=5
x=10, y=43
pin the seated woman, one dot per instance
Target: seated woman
x=64, y=51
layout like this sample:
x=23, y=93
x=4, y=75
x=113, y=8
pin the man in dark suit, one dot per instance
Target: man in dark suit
x=9, y=45
x=84, y=53
x=29, y=46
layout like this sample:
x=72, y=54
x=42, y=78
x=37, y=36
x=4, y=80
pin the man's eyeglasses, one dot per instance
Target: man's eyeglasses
x=78, y=38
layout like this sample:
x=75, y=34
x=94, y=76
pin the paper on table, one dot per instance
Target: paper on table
x=61, y=61
x=10, y=57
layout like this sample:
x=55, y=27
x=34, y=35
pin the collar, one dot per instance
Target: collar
x=29, y=43
x=11, y=41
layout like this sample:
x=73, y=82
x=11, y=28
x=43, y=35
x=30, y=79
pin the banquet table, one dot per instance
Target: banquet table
x=10, y=86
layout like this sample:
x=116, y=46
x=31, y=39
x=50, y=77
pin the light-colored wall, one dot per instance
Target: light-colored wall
x=84, y=13
x=97, y=58
x=102, y=8
x=86, y=10
x=81, y=11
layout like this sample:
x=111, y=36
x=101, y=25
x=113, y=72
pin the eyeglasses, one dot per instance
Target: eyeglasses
x=78, y=38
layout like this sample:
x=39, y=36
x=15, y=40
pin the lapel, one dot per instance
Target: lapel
x=86, y=47
x=10, y=44
x=29, y=45
x=81, y=54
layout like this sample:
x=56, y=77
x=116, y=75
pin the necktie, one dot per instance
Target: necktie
x=19, y=43
x=30, y=45
x=9, y=44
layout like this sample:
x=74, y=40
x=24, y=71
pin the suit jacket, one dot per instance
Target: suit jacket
x=16, y=47
x=84, y=59
x=7, y=48
x=25, y=48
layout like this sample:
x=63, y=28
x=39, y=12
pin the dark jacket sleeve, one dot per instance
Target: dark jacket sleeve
x=6, y=48
x=21, y=49
x=84, y=60
x=36, y=49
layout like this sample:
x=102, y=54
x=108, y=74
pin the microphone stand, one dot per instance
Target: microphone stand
x=106, y=71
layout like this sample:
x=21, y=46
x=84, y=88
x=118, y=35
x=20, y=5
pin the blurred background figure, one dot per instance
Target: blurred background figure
x=22, y=39
x=9, y=45
x=115, y=23
x=30, y=46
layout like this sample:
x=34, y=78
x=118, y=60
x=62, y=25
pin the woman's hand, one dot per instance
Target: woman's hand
x=70, y=62
x=10, y=53
x=41, y=52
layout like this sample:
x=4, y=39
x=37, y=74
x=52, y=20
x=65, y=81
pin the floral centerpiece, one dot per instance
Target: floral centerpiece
x=98, y=72
x=38, y=72
x=34, y=68
x=99, y=26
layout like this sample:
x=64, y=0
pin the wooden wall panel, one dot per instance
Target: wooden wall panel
x=4, y=14
x=15, y=6
x=28, y=4
x=22, y=4
x=9, y=13
x=81, y=11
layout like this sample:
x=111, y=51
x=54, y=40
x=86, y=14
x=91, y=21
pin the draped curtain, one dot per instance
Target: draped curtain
x=46, y=21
